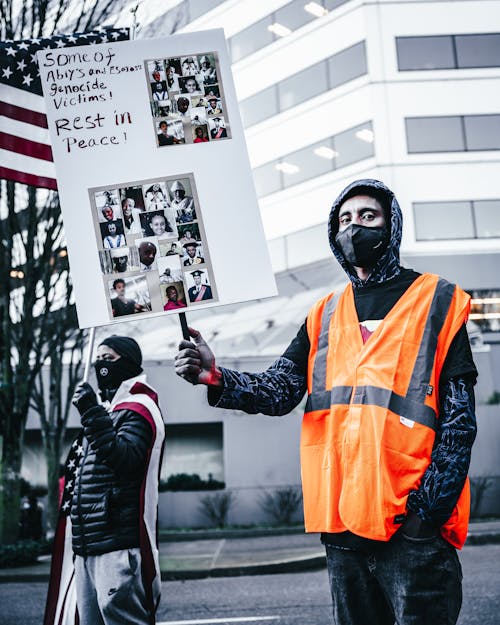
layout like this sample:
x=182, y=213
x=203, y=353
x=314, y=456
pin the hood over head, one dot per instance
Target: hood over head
x=387, y=266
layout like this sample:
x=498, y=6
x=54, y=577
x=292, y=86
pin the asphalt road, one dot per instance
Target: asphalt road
x=292, y=599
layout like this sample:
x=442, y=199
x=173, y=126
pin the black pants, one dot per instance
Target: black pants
x=405, y=582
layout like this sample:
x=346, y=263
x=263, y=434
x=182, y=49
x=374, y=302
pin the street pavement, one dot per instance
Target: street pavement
x=195, y=555
x=301, y=598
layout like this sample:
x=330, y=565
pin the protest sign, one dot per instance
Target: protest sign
x=158, y=202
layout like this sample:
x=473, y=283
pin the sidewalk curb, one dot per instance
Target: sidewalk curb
x=296, y=565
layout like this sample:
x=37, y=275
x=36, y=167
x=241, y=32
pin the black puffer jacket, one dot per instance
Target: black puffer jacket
x=105, y=508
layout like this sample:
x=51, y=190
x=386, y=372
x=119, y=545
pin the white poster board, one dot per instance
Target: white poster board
x=159, y=207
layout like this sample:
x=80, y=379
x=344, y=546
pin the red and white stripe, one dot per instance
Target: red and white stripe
x=25, y=152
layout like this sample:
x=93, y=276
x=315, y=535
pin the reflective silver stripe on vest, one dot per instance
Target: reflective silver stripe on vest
x=319, y=371
x=417, y=388
x=373, y=396
x=412, y=405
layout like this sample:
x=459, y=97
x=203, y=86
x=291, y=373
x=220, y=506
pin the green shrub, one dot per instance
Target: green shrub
x=281, y=504
x=216, y=507
x=23, y=552
x=185, y=481
x=493, y=399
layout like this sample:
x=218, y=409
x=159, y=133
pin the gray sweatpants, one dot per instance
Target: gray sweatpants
x=109, y=589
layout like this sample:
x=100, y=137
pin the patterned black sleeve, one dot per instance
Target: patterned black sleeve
x=275, y=391
x=443, y=480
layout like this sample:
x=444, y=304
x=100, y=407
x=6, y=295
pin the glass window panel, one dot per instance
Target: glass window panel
x=478, y=50
x=267, y=179
x=194, y=448
x=197, y=8
x=487, y=215
x=482, y=132
x=259, y=106
x=443, y=220
x=347, y=64
x=425, y=53
x=333, y=4
x=353, y=145
x=306, y=163
x=293, y=15
x=434, y=134
x=302, y=86
x=251, y=39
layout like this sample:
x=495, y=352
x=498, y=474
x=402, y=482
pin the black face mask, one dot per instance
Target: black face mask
x=111, y=373
x=362, y=246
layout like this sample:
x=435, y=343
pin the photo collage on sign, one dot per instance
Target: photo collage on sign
x=152, y=246
x=187, y=100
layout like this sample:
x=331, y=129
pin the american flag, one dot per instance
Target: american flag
x=25, y=151
x=61, y=597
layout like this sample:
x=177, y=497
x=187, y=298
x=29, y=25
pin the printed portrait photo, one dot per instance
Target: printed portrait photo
x=159, y=92
x=173, y=73
x=129, y=296
x=207, y=69
x=173, y=296
x=156, y=224
x=131, y=216
x=189, y=85
x=193, y=254
x=170, y=248
x=189, y=65
x=199, y=289
x=183, y=106
x=135, y=193
x=149, y=251
x=155, y=196
x=107, y=205
x=200, y=134
x=124, y=259
x=169, y=269
x=182, y=201
x=211, y=91
x=156, y=70
x=170, y=132
x=217, y=127
x=112, y=234
x=214, y=106
x=198, y=101
x=198, y=116
x=189, y=232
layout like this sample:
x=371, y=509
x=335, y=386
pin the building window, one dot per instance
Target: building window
x=260, y=106
x=314, y=160
x=478, y=50
x=194, y=448
x=477, y=219
x=453, y=134
x=251, y=39
x=302, y=86
x=278, y=24
x=485, y=310
x=347, y=65
x=448, y=52
x=306, y=84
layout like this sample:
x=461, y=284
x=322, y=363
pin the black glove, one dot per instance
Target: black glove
x=84, y=397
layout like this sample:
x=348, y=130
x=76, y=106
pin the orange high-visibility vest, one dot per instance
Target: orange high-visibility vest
x=372, y=409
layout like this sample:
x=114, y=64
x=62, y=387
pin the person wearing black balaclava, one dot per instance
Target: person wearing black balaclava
x=389, y=420
x=113, y=492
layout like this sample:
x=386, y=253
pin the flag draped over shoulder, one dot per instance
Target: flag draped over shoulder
x=61, y=609
x=25, y=152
